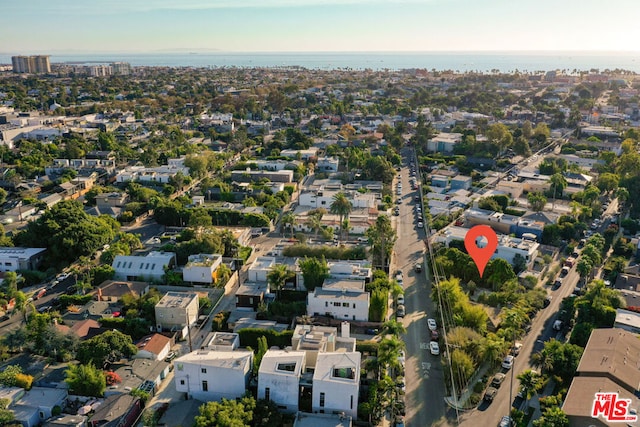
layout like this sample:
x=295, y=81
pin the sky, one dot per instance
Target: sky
x=88, y=26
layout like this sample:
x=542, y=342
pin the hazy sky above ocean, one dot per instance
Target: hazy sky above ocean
x=65, y=26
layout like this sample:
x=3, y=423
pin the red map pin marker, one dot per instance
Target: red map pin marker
x=481, y=256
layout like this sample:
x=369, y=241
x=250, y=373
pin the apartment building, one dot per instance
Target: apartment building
x=35, y=64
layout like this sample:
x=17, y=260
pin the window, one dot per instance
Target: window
x=354, y=305
x=203, y=370
x=344, y=373
x=267, y=393
x=322, y=400
x=351, y=406
x=324, y=202
x=180, y=366
x=118, y=264
x=345, y=304
x=205, y=385
x=336, y=304
x=326, y=304
x=181, y=382
x=288, y=367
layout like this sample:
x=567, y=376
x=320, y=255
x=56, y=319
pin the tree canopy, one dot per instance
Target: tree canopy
x=67, y=232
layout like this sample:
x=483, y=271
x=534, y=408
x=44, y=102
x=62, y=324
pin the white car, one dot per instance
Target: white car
x=62, y=277
x=400, y=299
x=432, y=324
x=420, y=225
x=434, y=348
x=507, y=363
x=401, y=357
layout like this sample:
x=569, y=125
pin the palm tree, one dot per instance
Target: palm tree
x=530, y=383
x=314, y=223
x=341, y=206
x=393, y=327
x=388, y=352
x=289, y=220
x=559, y=183
x=277, y=277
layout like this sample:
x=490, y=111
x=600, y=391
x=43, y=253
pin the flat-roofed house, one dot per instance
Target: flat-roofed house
x=279, y=378
x=212, y=374
x=336, y=383
x=176, y=310
x=341, y=299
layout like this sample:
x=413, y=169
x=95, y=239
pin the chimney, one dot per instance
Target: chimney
x=345, y=330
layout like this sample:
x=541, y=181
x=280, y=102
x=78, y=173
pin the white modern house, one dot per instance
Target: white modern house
x=150, y=267
x=336, y=383
x=260, y=268
x=507, y=249
x=328, y=164
x=177, y=310
x=341, y=299
x=208, y=375
x=13, y=258
x=201, y=268
x=279, y=378
x=323, y=198
x=351, y=270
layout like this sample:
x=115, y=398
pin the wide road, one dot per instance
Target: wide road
x=423, y=372
x=541, y=331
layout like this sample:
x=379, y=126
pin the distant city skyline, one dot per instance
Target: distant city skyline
x=45, y=26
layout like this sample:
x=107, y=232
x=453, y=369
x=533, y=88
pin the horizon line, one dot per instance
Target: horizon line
x=197, y=51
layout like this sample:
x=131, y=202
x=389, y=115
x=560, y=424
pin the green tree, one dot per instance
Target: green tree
x=607, y=181
x=537, y=201
x=552, y=417
x=382, y=238
x=108, y=345
x=68, y=232
x=314, y=272
x=558, y=184
x=227, y=413
x=341, y=206
x=378, y=305
x=498, y=272
x=288, y=220
x=259, y=354
x=277, y=277
x=6, y=415
x=530, y=383
x=393, y=327
x=85, y=380
x=557, y=358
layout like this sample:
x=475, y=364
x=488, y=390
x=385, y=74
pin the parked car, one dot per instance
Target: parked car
x=432, y=324
x=565, y=270
x=400, y=312
x=497, y=380
x=172, y=355
x=507, y=363
x=434, y=348
x=505, y=422
x=490, y=394
x=400, y=299
x=547, y=301
x=434, y=335
x=515, y=350
x=418, y=268
x=557, y=283
x=420, y=224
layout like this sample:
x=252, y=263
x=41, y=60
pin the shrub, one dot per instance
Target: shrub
x=367, y=347
x=249, y=337
x=23, y=380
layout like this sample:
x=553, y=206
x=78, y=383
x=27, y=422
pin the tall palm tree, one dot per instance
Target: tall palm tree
x=277, y=277
x=289, y=220
x=314, y=223
x=492, y=349
x=341, y=206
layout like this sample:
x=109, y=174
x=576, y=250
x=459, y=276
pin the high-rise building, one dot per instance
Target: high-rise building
x=121, y=68
x=36, y=64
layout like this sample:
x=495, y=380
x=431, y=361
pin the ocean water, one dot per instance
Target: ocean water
x=485, y=62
